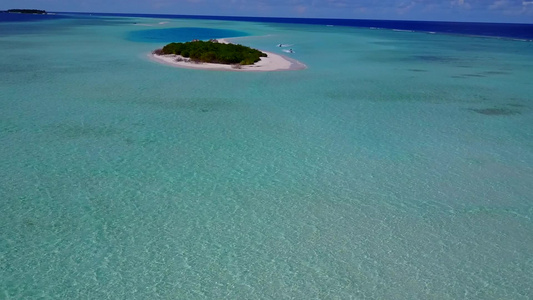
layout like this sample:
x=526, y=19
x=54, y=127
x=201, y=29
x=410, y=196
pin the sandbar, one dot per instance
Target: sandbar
x=273, y=62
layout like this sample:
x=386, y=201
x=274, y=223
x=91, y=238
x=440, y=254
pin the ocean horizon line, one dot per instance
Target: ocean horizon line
x=287, y=18
x=522, y=31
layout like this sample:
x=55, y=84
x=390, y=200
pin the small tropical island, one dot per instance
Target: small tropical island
x=214, y=52
x=222, y=55
x=26, y=11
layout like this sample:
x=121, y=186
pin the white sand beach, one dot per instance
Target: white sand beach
x=273, y=62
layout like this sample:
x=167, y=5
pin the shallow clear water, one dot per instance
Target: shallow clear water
x=399, y=165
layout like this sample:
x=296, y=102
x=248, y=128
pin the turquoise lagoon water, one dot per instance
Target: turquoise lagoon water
x=398, y=165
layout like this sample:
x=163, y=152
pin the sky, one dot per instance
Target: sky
x=511, y=11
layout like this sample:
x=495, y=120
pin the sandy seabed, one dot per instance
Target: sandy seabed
x=273, y=62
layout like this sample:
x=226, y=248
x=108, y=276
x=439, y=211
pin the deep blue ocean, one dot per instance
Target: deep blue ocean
x=503, y=30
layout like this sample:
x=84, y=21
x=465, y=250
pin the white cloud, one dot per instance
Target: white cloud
x=460, y=3
x=512, y=7
x=499, y=4
x=405, y=7
x=300, y=9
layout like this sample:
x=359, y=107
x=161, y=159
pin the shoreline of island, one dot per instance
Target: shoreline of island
x=273, y=62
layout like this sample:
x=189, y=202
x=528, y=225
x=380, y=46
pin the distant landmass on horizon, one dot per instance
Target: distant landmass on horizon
x=25, y=11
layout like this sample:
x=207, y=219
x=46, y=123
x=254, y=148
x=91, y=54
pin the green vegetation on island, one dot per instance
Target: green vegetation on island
x=27, y=11
x=214, y=52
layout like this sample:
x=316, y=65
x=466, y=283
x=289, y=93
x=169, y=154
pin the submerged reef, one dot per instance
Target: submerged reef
x=495, y=111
